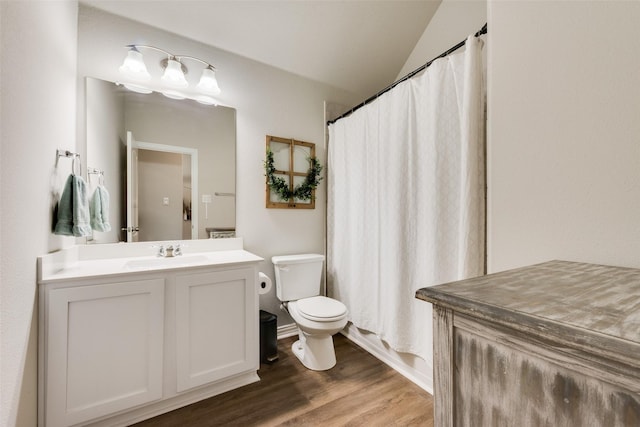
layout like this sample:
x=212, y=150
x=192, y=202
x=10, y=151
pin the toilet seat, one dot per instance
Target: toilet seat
x=321, y=309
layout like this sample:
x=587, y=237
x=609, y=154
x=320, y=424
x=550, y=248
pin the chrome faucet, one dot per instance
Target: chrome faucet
x=169, y=251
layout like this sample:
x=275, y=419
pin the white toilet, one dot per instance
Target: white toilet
x=298, y=286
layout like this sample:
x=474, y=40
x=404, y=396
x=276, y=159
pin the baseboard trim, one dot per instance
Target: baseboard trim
x=418, y=378
x=286, y=331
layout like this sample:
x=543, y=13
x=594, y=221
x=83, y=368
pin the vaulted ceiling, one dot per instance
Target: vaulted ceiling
x=357, y=45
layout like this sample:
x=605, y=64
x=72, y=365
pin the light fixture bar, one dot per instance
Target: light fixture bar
x=193, y=58
x=174, y=71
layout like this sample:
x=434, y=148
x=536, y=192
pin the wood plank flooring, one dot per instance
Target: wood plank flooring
x=359, y=391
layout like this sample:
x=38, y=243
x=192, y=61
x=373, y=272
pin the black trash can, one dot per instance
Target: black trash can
x=268, y=337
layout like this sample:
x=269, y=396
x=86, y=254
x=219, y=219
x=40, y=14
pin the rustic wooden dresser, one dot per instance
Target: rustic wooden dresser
x=554, y=344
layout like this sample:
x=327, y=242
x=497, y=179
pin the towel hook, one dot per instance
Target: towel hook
x=67, y=153
x=73, y=164
x=95, y=171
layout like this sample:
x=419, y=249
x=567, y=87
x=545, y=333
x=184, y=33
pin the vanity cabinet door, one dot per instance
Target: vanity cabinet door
x=104, y=349
x=216, y=326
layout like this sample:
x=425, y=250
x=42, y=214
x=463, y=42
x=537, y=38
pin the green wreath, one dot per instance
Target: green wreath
x=303, y=191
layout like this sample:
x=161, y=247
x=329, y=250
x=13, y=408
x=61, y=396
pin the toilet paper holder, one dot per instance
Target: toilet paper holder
x=264, y=283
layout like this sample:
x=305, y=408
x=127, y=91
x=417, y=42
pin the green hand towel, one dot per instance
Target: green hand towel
x=73, y=209
x=99, y=209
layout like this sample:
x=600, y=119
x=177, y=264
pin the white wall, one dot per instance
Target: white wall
x=453, y=22
x=564, y=133
x=268, y=102
x=38, y=104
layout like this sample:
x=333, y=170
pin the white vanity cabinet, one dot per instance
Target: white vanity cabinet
x=120, y=342
x=104, y=349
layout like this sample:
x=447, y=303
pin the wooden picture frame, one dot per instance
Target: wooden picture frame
x=291, y=162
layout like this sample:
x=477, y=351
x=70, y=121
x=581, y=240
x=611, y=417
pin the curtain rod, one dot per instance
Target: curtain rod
x=482, y=31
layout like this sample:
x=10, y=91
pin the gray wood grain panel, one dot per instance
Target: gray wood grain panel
x=594, y=297
x=592, y=363
x=497, y=385
x=555, y=344
x=583, y=305
x=443, y=358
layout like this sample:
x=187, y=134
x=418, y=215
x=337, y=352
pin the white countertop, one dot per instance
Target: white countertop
x=74, y=263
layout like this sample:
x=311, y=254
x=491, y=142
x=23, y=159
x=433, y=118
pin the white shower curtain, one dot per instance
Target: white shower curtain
x=406, y=198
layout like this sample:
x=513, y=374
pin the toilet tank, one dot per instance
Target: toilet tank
x=298, y=276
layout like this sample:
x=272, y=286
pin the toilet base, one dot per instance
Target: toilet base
x=315, y=352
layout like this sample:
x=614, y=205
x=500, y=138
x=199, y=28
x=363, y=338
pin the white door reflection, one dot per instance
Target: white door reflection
x=162, y=182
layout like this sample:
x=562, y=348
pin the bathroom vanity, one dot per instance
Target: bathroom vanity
x=555, y=344
x=125, y=335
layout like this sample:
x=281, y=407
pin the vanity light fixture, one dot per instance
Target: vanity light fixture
x=134, y=68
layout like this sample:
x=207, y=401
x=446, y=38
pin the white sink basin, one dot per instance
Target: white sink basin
x=160, y=262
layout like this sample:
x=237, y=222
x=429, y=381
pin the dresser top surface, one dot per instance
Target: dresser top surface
x=596, y=299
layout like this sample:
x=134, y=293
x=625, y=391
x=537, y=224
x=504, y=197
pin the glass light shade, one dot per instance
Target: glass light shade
x=134, y=67
x=137, y=88
x=173, y=75
x=173, y=94
x=208, y=83
x=206, y=100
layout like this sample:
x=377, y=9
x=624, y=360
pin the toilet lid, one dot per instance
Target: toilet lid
x=320, y=308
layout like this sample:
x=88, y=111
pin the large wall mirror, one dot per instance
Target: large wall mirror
x=168, y=165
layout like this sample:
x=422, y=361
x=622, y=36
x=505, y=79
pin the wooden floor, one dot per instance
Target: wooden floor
x=359, y=391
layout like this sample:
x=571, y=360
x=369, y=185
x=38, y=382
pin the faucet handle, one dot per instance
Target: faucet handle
x=177, y=249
